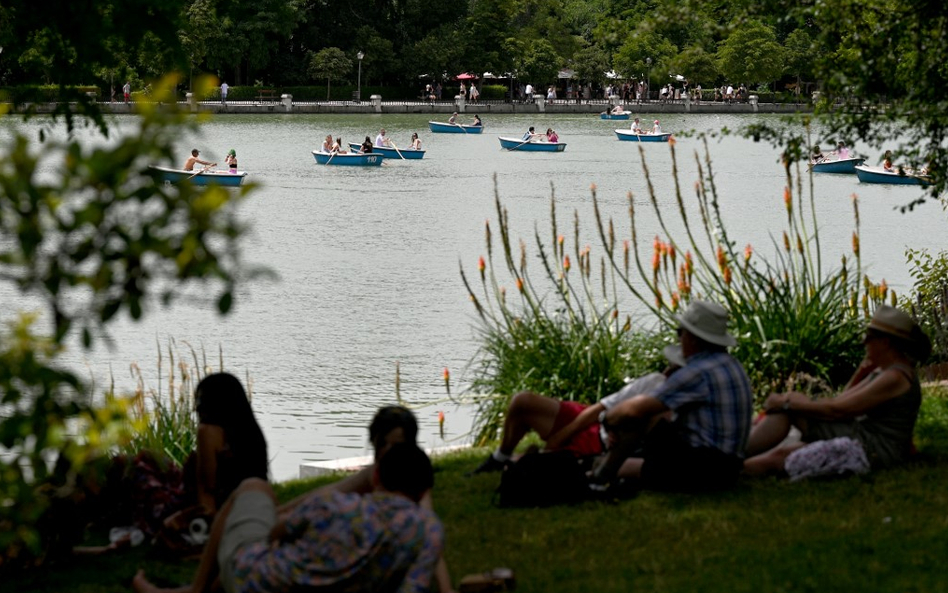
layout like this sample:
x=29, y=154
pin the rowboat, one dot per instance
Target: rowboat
x=868, y=174
x=630, y=136
x=531, y=146
x=200, y=177
x=350, y=159
x=623, y=115
x=391, y=153
x=836, y=166
x=446, y=128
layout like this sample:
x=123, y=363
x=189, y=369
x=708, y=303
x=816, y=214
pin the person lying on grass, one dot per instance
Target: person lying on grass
x=567, y=424
x=383, y=541
x=876, y=410
x=389, y=426
x=701, y=445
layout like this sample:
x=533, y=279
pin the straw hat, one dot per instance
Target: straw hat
x=707, y=321
x=674, y=355
x=898, y=323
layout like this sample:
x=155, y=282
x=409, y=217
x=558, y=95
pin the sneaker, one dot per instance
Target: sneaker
x=488, y=465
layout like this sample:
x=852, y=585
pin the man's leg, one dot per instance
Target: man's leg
x=527, y=411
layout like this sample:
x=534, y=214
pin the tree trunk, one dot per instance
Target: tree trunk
x=327, y=88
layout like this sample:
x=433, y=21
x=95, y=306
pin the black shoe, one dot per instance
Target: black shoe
x=488, y=465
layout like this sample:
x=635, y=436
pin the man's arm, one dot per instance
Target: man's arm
x=585, y=419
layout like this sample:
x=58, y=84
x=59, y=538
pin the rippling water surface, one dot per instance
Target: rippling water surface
x=368, y=259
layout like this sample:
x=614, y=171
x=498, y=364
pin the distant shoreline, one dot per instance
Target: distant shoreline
x=288, y=106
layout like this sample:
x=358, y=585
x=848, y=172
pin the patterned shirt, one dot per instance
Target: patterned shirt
x=347, y=542
x=712, y=400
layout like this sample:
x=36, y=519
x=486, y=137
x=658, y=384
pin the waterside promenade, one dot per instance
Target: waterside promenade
x=377, y=105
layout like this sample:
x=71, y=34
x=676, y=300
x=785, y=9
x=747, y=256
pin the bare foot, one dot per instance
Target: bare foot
x=142, y=585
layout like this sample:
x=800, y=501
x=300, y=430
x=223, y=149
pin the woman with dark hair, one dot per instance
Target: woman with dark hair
x=231, y=447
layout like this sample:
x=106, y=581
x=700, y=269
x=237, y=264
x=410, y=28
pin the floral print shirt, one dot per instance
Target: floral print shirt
x=347, y=542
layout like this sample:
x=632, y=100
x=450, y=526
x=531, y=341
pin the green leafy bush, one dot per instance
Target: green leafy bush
x=929, y=299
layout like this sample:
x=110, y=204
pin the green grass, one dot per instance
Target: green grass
x=882, y=532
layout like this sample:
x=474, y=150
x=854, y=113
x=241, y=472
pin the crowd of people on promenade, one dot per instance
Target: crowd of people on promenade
x=691, y=428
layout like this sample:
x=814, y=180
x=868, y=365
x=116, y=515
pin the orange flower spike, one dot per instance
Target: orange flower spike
x=788, y=201
x=481, y=266
x=855, y=243
x=727, y=276
x=657, y=244
x=689, y=264
x=674, y=301
x=615, y=313
x=883, y=288
x=786, y=241
x=520, y=284
x=671, y=141
x=748, y=252
x=672, y=253
x=441, y=424
x=658, y=298
x=799, y=244
x=656, y=261
x=722, y=258
x=566, y=263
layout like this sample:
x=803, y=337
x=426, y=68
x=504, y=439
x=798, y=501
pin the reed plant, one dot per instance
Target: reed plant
x=164, y=417
x=798, y=321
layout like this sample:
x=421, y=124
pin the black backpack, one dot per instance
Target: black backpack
x=543, y=479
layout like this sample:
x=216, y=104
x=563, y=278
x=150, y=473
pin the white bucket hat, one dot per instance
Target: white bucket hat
x=707, y=321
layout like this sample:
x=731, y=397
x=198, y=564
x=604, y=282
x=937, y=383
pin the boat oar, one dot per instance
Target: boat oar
x=201, y=171
x=400, y=155
x=332, y=153
x=527, y=141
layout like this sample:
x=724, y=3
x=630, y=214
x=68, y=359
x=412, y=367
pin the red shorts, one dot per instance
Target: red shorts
x=586, y=442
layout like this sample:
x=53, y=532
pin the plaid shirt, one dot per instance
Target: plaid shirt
x=347, y=542
x=712, y=400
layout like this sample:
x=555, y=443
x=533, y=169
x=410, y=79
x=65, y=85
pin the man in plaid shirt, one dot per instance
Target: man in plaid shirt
x=690, y=434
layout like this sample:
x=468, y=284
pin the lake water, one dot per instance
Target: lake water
x=368, y=258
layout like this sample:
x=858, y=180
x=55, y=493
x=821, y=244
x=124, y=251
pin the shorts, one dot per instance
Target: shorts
x=672, y=463
x=251, y=519
x=585, y=442
x=822, y=430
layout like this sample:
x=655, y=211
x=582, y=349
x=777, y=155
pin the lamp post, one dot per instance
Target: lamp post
x=359, y=55
x=648, y=88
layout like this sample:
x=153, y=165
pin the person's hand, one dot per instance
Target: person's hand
x=776, y=403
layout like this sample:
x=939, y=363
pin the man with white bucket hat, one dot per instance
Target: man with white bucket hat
x=693, y=430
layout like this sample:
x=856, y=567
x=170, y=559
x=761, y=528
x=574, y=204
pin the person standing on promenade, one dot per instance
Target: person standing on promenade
x=127, y=90
x=224, y=89
x=694, y=429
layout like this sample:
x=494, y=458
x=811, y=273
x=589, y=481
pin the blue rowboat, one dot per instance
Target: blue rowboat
x=836, y=166
x=528, y=146
x=391, y=153
x=630, y=136
x=446, y=128
x=623, y=115
x=879, y=175
x=350, y=159
x=200, y=177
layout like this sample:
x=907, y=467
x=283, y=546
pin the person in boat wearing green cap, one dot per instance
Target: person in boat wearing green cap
x=231, y=160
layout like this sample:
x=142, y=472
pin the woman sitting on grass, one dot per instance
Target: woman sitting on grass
x=230, y=449
x=876, y=410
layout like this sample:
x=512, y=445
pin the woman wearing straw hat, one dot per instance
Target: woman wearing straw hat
x=875, y=412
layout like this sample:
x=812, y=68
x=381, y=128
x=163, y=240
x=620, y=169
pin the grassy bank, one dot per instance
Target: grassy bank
x=883, y=532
